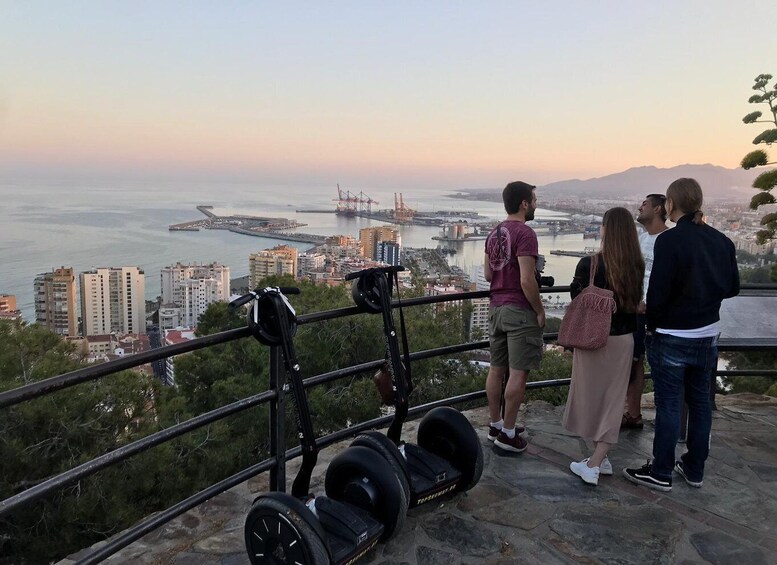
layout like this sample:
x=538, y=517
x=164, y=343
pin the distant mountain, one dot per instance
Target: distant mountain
x=716, y=182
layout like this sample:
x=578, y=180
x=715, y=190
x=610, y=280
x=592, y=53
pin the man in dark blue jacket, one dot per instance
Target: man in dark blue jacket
x=694, y=269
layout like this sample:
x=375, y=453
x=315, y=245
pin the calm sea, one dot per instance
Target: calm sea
x=88, y=225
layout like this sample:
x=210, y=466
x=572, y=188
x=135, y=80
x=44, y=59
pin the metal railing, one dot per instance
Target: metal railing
x=276, y=397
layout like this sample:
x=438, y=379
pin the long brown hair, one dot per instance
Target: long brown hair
x=623, y=258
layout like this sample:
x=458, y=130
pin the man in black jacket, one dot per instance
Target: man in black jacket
x=694, y=269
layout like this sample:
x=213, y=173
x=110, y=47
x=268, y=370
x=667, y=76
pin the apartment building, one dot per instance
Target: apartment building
x=8, y=309
x=340, y=246
x=188, y=290
x=480, y=306
x=308, y=263
x=171, y=337
x=280, y=260
x=55, y=301
x=113, y=301
x=388, y=253
x=371, y=237
x=173, y=278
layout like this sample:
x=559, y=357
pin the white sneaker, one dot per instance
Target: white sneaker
x=589, y=475
x=605, y=467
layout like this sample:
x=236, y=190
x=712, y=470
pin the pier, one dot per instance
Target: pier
x=256, y=226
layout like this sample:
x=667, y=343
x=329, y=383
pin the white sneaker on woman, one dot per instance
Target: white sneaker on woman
x=605, y=467
x=589, y=475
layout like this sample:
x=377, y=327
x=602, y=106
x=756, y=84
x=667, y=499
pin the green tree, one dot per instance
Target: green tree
x=49, y=435
x=766, y=181
x=556, y=364
x=754, y=361
x=756, y=275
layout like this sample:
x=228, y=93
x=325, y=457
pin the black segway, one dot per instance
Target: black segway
x=448, y=456
x=368, y=503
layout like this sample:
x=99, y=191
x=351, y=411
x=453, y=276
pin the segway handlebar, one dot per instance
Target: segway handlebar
x=387, y=270
x=246, y=298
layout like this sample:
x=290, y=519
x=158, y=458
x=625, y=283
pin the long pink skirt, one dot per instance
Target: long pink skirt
x=598, y=390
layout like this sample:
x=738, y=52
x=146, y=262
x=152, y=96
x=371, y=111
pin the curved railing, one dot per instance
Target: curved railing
x=276, y=398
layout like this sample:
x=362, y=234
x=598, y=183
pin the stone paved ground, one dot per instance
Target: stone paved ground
x=529, y=508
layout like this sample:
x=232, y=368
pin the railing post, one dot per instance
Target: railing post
x=277, y=421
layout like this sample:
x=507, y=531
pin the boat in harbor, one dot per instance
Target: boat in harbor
x=591, y=231
x=587, y=251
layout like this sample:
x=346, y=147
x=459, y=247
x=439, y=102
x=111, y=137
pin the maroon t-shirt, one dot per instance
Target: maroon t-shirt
x=508, y=241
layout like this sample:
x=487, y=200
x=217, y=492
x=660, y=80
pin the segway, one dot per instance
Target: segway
x=366, y=502
x=448, y=456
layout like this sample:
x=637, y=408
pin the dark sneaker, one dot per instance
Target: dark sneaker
x=629, y=422
x=680, y=470
x=515, y=444
x=494, y=431
x=644, y=476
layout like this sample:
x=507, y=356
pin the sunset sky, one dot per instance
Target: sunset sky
x=378, y=93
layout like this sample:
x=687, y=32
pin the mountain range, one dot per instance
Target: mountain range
x=716, y=182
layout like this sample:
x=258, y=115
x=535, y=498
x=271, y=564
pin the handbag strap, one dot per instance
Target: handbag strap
x=592, y=274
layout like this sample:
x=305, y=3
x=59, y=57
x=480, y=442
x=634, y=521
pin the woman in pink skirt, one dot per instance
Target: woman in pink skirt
x=600, y=377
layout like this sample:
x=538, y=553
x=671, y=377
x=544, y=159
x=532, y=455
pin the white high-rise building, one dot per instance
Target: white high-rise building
x=173, y=277
x=113, y=300
x=480, y=306
x=309, y=262
x=197, y=295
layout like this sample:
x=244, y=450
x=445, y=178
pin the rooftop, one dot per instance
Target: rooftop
x=529, y=508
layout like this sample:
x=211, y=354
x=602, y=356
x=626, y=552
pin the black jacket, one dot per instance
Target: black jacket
x=694, y=269
x=622, y=322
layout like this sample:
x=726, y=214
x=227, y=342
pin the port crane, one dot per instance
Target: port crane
x=402, y=212
x=349, y=204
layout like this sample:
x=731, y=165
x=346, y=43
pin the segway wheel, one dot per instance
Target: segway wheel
x=446, y=432
x=383, y=445
x=280, y=529
x=359, y=476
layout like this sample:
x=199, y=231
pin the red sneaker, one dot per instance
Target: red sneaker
x=515, y=444
x=493, y=432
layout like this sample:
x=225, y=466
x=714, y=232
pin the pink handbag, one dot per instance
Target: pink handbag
x=586, y=324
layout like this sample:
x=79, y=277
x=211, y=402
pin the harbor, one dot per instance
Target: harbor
x=360, y=205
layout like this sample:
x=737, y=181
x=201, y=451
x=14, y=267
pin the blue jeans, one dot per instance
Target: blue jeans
x=681, y=366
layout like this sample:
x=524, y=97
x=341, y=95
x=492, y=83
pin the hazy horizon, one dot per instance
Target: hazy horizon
x=402, y=95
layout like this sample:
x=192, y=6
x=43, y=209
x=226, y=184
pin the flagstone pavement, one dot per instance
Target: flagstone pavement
x=529, y=508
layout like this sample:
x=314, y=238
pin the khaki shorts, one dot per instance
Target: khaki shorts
x=515, y=338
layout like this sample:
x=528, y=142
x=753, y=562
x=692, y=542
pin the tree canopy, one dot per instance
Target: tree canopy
x=766, y=181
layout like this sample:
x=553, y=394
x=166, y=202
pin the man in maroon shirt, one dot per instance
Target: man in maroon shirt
x=516, y=316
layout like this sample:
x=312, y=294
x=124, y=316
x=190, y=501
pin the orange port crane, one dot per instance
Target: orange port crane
x=348, y=203
x=402, y=213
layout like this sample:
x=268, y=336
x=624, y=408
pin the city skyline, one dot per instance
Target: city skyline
x=402, y=94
